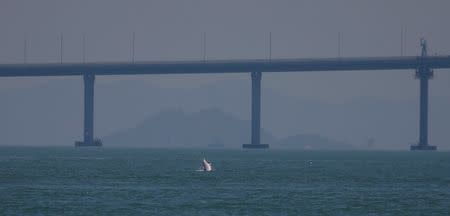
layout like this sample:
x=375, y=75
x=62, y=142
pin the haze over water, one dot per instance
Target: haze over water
x=121, y=181
x=351, y=109
x=370, y=102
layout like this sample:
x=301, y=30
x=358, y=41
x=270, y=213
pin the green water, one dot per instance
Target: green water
x=114, y=181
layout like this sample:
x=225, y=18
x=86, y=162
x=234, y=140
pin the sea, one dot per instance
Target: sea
x=132, y=181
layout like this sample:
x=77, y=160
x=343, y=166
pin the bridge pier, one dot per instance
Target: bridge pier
x=88, y=131
x=256, y=114
x=423, y=73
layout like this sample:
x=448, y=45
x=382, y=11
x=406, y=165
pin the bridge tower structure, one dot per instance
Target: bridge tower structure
x=88, y=131
x=255, y=142
x=424, y=74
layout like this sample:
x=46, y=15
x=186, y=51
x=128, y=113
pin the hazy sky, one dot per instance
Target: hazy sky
x=236, y=29
x=172, y=30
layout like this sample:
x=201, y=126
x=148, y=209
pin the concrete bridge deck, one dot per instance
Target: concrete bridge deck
x=225, y=66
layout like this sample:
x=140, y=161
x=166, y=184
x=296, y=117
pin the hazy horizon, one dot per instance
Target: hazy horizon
x=173, y=30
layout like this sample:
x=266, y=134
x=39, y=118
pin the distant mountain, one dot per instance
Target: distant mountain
x=312, y=142
x=52, y=113
x=175, y=128
x=210, y=127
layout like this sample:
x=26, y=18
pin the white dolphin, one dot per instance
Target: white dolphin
x=207, y=166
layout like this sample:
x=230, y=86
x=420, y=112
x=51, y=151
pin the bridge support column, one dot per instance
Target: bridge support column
x=423, y=73
x=256, y=114
x=88, y=131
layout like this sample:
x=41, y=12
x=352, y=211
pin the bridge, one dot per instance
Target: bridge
x=423, y=66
